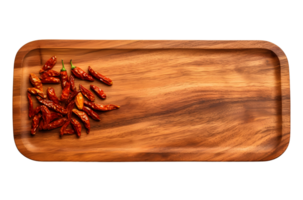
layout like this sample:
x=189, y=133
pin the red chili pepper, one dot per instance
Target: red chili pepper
x=36, y=82
x=100, y=107
x=65, y=92
x=63, y=128
x=72, y=83
x=54, y=116
x=49, y=64
x=98, y=91
x=88, y=94
x=70, y=107
x=79, y=73
x=91, y=113
x=52, y=95
x=55, y=124
x=63, y=76
x=46, y=116
x=100, y=77
x=84, y=118
x=30, y=105
x=41, y=124
x=77, y=126
x=37, y=110
x=31, y=111
x=69, y=132
x=49, y=73
x=50, y=80
x=72, y=95
x=36, y=92
x=35, y=123
x=50, y=104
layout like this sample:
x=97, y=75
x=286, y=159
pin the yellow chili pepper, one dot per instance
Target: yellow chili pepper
x=79, y=101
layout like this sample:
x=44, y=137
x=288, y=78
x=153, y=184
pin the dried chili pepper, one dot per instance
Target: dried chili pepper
x=72, y=95
x=91, y=113
x=98, y=91
x=50, y=63
x=63, y=76
x=63, y=128
x=35, y=123
x=50, y=80
x=49, y=73
x=36, y=91
x=41, y=124
x=84, y=118
x=100, y=107
x=31, y=111
x=69, y=132
x=88, y=94
x=46, y=116
x=55, y=124
x=36, y=110
x=80, y=73
x=54, y=116
x=70, y=107
x=79, y=101
x=100, y=77
x=50, y=104
x=72, y=83
x=30, y=105
x=65, y=92
x=52, y=95
x=77, y=126
x=36, y=82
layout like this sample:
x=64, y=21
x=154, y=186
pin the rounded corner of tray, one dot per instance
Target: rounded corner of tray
x=277, y=50
x=279, y=152
x=25, y=48
x=24, y=152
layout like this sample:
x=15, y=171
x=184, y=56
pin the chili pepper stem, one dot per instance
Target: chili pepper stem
x=73, y=66
x=63, y=68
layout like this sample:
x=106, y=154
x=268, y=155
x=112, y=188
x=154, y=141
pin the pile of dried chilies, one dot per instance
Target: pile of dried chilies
x=51, y=113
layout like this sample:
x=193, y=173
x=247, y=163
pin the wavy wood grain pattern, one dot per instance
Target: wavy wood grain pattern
x=180, y=101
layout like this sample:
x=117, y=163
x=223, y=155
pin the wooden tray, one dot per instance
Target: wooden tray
x=180, y=101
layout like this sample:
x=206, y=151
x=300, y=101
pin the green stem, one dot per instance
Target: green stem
x=73, y=66
x=63, y=68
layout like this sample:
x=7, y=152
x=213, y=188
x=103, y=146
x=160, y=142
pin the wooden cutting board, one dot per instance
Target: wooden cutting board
x=180, y=101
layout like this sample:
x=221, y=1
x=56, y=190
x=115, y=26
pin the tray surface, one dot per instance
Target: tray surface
x=180, y=101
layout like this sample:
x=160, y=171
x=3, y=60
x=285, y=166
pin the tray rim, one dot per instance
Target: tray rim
x=164, y=44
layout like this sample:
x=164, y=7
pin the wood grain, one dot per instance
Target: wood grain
x=180, y=101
